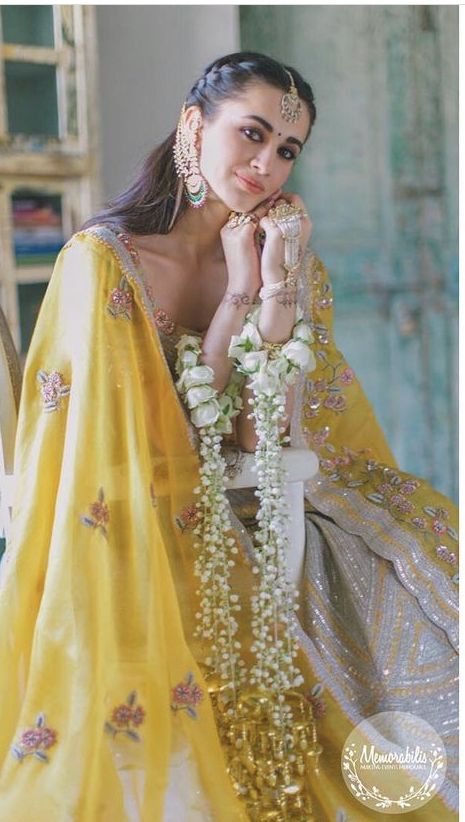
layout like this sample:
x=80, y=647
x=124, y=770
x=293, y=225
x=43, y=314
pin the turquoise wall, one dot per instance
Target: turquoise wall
x=380, y=180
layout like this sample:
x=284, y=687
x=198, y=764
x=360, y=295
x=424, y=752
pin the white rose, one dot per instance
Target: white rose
x=265, y=383
x=297, y=352
x=253, y=360
x=199, y=394
x=205, y=414
x=187, y=341
x=199, y=375
x=303, y=332
x=188, y=357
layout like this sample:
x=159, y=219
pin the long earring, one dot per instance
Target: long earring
x=187, y=164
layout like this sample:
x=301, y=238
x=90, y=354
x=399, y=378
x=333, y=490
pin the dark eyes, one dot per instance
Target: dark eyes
x=285, y=152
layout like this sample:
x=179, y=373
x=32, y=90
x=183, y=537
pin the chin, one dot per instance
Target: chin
x=242, y=202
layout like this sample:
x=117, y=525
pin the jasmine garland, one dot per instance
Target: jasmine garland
x=270, y=371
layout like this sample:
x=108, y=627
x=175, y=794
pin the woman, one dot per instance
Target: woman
x=112, y=709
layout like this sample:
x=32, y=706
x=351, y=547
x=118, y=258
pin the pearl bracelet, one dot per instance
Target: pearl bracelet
x=271, y=290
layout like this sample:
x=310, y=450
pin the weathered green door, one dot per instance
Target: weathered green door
x=380, y=180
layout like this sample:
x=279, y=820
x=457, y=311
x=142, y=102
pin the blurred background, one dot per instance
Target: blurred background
x=87, y=91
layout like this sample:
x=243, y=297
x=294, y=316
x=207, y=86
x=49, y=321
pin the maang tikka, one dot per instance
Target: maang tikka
x=291, y=106
x=187, y=164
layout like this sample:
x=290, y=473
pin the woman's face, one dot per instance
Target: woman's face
x=249, y=140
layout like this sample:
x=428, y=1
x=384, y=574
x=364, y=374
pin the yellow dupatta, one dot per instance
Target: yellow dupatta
x=96, y=672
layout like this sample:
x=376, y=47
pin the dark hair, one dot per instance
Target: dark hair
x=153, y=201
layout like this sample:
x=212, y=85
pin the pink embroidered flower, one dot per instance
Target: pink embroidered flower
x=30, y=738
x=138, y=715
x=409, y=487
x=186, y=696
x=327, y=465
x=401, y=504
x=345, y=460
x=124, y=716
x=419, y=522
x=189, y=517
x=100, y=514
x=385, y=488
x=438, y=527
x=34, y=741
x=121, y=300
x=53, y=389
x=320, y=385
x=320, y=437
x=164, y=322
x=48, y=737
x=335, y=402
x=347, y=376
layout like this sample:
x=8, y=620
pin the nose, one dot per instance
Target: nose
x=263, y=160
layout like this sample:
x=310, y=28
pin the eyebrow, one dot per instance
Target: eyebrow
x=270, y=128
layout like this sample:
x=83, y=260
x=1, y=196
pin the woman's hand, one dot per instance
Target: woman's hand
x=242, y=251
x=272, y=269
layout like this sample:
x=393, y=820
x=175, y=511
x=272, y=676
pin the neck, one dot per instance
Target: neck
x=198, y=230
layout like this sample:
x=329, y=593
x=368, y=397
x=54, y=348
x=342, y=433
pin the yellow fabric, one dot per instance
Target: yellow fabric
x=97, y=592
x=86, y=618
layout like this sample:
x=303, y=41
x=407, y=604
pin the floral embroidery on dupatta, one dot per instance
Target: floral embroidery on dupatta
x=121, y=300
x=35, y=741
x=327, y=392
x=99, y=514
x=186, y=695
x=125, y=717
x=53, y=389
x=389, y=488
x=188, y=518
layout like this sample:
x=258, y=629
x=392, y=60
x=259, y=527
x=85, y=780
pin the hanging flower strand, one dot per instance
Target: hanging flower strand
x=270, y=369
x=212, y=414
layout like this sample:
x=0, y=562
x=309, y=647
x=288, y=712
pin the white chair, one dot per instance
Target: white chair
x=300, y=465
x=10, y=391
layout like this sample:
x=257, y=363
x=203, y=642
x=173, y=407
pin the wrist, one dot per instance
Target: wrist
x=238, y=295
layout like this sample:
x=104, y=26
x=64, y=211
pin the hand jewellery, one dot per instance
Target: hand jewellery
x=287, y=218
x=243, y=218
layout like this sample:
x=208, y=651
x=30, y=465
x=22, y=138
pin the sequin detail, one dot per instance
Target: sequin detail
x=35, y=741
x=125, y=717
x=121, y=300
x=186, y=695
x=53, y=389
x=99, y=514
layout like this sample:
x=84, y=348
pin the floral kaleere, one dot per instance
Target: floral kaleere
x=212, y=412
x=270, y=369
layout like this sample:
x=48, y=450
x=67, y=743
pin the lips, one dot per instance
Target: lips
x=251, y=185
